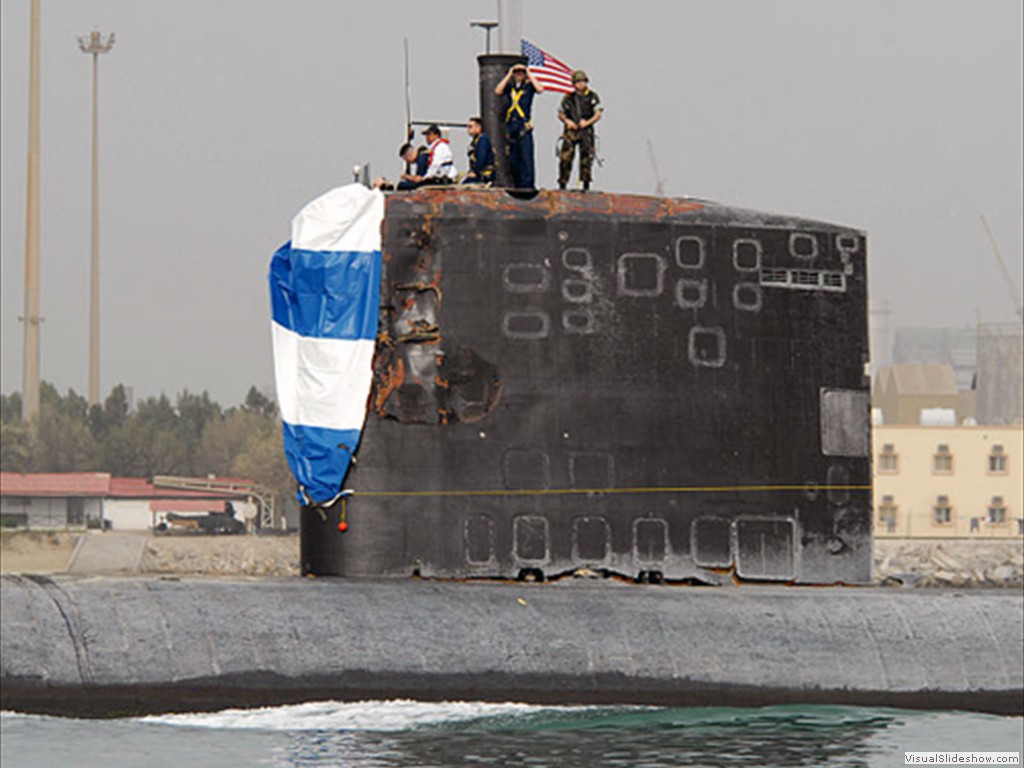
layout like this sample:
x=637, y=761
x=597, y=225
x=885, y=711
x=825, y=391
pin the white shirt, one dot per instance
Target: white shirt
x=441, y=165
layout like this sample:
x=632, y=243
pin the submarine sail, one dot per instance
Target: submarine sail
x=663, y=389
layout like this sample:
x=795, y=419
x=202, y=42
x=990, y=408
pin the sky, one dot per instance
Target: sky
x=218, y=121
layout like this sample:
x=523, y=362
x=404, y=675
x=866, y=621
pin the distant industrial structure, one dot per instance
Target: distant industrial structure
x=978, y=373
x=955, y=347
x=1000, y=383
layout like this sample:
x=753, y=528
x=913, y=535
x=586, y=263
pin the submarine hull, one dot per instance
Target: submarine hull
x=618, y=383
x=119, y=646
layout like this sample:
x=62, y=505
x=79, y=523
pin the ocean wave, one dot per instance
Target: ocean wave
x=390, y=715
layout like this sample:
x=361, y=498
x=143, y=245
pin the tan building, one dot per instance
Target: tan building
x=948, y=482
x=903, y=391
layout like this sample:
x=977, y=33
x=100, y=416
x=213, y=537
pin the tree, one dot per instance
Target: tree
x=194, y=413
x=193, y=436
x=257, y=402
x=62, y=441
x=141, y=449
x=158, y=412
x=15, y=446
x=226, y=439
x=112, y=414
x=263, y=462
x=10, y=408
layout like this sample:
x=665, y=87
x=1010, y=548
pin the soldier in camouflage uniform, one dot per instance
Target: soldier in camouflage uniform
x=578, y=111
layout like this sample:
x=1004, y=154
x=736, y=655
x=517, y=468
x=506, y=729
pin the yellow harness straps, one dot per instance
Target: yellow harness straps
x=514, y=106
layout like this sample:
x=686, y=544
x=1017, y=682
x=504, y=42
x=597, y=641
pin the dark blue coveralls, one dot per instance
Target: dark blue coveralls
x=481, y=160
x=518, y=106
x=422, y=163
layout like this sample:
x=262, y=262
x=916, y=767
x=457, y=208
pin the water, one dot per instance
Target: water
x=407, y=733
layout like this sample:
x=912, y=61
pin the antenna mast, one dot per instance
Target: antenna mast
x=659, y=188
x=408, y=95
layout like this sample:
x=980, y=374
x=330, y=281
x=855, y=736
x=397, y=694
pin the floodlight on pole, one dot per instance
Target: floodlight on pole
x=95, y=44
x=31, y=318
x=487, y=26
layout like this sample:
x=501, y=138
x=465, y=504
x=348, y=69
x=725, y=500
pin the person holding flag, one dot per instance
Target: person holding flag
x=519, y=87
x=550, y=71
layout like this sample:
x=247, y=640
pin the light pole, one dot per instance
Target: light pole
x=95, y=44
x=30, y=372
x=487, y=26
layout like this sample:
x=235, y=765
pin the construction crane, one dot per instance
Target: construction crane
x=1011, y=286
x=659, y=188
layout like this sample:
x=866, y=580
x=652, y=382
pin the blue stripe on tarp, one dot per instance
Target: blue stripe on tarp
x=326, y=294
x=317, y=458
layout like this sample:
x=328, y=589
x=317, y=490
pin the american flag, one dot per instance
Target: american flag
x=553, y=74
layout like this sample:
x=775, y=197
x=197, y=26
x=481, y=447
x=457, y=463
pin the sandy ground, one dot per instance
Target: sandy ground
x=222, y=555
x=44, y=552
x=36, y=551
x=950, y=562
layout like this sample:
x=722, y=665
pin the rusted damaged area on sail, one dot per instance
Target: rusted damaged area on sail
x=547, y=203
x=420, y=375
x=388, y=373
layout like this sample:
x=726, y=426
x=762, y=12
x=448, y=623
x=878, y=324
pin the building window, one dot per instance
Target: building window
x=943, y=511
x=997, y=511
x=943, y=462
x=997, y=461
x=888, y=460
x=887, y=513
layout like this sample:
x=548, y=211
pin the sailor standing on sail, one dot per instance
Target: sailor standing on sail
x=441, y=166
x=578, y=111
x=518, y=108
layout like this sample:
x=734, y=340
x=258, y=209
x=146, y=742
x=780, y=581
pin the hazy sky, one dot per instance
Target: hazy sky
x=219, y=120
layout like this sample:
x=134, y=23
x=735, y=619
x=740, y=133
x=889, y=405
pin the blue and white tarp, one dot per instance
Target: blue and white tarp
x=324, y=296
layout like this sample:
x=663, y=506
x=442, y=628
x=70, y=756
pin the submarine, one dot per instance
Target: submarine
x=614, y=449
x=659, y=389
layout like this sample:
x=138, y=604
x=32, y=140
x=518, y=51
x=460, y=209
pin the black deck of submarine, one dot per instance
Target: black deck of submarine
x=116, y=646
x=621, y=383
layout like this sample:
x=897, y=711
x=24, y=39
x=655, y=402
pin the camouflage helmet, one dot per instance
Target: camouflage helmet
x=580, y=76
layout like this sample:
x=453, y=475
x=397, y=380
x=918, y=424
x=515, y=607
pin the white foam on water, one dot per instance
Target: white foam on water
x=392, y=715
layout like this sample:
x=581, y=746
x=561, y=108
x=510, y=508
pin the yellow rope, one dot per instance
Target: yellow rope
x=582, y=491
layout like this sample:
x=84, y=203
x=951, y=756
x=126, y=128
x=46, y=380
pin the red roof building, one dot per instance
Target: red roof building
x=78, y=500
